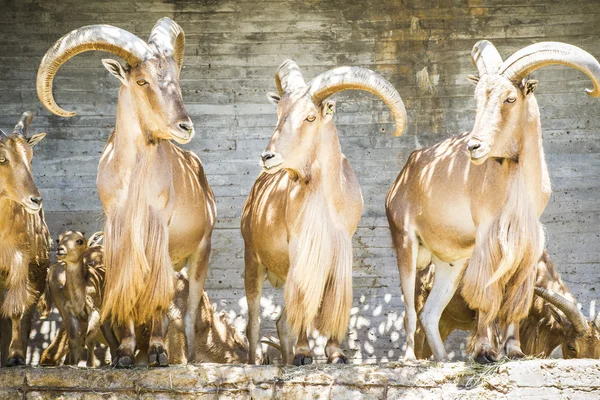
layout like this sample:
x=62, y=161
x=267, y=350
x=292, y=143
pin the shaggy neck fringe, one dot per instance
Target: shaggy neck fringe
x=139, y=278
x=319, y=280
x=23, y=242
x=501, y=273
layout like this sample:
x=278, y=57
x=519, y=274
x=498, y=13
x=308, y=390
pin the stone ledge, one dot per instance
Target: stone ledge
x=424, y=380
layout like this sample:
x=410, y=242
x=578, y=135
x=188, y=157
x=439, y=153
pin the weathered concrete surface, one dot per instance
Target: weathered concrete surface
x=232, y=50
x=573, y=379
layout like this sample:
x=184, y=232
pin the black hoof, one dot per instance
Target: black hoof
x=486, y=357
x=301, y=359
x=157, y=357
x=123, y=360
x=337, y=358
x=15, y=361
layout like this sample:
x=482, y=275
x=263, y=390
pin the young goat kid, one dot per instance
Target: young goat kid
x=76, y=286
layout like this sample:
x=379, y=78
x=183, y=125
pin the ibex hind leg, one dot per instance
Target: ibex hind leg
x=197, y=270
x=446, y=281
x=254, y=278
x=286, y=339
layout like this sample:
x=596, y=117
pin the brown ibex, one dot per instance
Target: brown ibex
x=217, y=341
x=160, y=210
x=554, y=319
x=303, y=209
x=75, y=285
x=479, y=196
x=24, y=241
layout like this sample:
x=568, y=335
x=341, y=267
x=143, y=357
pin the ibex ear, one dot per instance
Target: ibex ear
x=35, y=139
x=273, y=98
x=96, y=239
x=116, y=69
x=328, y=109
x=529, y=86
x=474, y=79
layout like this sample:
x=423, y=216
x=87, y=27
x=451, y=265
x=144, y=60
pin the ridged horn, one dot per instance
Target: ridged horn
x=357, y=78
x=288, y=77
x=2, y=135
x=23, y=125
x=169, y=39
x=93, y=37
x=538, y=55
x=486, y=58
x=576, y=317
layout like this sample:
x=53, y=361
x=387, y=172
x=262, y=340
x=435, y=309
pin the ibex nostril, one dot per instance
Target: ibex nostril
x=267, y=156
x=473, y=146
x=185, y=126
x=36, y=200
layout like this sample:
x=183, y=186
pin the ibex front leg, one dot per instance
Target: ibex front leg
x=125, y=357
x=157, y=354
x=16, y=355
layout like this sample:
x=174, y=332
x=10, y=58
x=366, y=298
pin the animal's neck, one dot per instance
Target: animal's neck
x=326, y=176
x=531, y=162
x=8, y=209
x=131, y=140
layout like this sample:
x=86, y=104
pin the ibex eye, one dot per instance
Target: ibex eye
x=311, y=118
x=510, y=100
x=80, y=241
x=141, y=82
x=2, y=159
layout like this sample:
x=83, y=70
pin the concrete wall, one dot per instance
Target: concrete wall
x=232, y=50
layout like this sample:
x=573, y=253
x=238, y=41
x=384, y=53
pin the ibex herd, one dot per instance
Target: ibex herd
x=463, y=214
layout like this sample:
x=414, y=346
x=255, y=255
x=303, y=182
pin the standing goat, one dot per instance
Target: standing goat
x=554, y=319
x=76, y=286
x=303, y=209
x=160, y=210
x=479, y=196
x=24, y=241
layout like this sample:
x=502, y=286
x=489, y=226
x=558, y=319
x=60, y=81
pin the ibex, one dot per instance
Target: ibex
x=24, y=241
x=75, y=285
x=303, y=209
x=479, y=196
x=217, y=341
x=553, y=320
x=160, y=210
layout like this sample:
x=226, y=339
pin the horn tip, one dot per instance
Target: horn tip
x=593, y=92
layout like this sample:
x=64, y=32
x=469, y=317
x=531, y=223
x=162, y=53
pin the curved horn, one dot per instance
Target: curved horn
x=486, y=58
x=576, y=317
x=535, y=56
x=356, y=78
x=169, y=39
x=288, y=77
x=23, y=125
x=93, y=37
x=2, y=135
